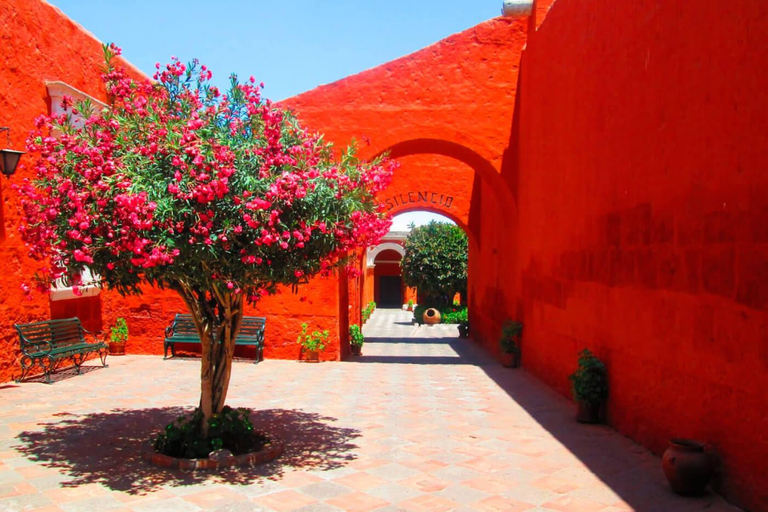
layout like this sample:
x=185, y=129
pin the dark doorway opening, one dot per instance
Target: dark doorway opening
x=390, y=291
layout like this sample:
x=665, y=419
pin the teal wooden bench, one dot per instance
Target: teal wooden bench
x=183, y=330
x=50, y=342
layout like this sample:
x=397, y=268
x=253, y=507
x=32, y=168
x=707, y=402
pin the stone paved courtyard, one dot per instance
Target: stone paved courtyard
x=423, y=421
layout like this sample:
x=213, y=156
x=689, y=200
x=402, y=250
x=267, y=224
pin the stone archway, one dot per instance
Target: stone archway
x=445, y=114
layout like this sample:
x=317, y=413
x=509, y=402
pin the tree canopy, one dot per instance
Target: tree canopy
x=176, y=183
x=221, y=197
x=435, y=261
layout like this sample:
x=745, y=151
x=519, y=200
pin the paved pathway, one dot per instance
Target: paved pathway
x=423, y=421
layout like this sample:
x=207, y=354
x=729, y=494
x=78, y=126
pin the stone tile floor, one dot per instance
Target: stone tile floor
x=423, y=422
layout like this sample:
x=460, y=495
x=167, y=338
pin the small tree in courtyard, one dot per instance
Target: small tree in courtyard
x=435, y=262
x=221, y=198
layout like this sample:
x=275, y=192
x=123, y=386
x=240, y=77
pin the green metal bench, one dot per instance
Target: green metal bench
x=183, y=330
x=52, y=341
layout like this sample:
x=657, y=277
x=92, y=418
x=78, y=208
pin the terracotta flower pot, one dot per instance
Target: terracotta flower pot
x=116, y=349
x=312, y=356
x=431, y=316
x=510, y=359
x=587, y=413
x=687, y=466
x=357, y=350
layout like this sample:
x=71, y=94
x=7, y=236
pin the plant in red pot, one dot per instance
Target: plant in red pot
x=356, y=340
x=510, y=343
x=590, y=387
x=117, y=337
x=312, y=344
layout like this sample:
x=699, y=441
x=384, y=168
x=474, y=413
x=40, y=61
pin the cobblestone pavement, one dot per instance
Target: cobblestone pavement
x=423, y=421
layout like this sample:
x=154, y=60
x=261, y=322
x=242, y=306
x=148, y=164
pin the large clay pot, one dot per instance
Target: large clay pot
x=587, y=413
x=687, y=466
x=431, y=316
x=311, y=356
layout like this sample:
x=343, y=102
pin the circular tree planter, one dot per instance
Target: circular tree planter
x=269, y=453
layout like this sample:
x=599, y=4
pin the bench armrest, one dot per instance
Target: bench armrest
x=39, y=346
x=169, y=330
x=94, y=334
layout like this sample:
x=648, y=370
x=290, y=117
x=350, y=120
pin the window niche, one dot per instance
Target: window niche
x=89, y=286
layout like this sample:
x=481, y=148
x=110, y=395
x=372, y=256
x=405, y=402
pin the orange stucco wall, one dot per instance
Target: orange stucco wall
x=610, y=178
x=642, y=184
x=627, y=212
x=445, y=113
x=39, y=44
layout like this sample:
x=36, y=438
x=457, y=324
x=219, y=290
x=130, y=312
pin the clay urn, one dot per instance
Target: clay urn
x=687, y=466
x=431, y=316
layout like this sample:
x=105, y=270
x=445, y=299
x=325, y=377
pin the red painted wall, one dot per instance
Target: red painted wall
x=48, y=46
x=643, y=188
x=617, y=202
x=45, y=46
x=445, y=112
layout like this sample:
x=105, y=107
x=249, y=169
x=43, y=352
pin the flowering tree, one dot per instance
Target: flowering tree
x=219, y=197
x=435, y=261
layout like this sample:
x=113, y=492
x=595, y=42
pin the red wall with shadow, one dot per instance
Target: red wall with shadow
x=643, y=193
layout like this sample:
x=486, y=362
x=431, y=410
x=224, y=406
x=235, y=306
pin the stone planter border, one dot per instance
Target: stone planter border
x=267, y=454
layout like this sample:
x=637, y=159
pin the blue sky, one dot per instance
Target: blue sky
x=290, y=46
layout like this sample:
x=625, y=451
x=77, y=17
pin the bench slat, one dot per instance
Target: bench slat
x=182, y=330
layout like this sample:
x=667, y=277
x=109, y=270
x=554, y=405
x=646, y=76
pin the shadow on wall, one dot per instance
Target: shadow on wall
x=106, y=448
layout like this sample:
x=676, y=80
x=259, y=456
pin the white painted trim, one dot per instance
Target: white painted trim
x=375, y=251
x=90, y=287
x=514, y=8
x=57, y=91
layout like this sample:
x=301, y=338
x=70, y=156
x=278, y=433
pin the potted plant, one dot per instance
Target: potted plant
x=464, y=329
x=312, y=344
x=590, y=387
x=510, y=343
x=356, y=340
x=410, y=304
x=117, y=337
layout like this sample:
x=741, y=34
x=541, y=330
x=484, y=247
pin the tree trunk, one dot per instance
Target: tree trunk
x=218, y=316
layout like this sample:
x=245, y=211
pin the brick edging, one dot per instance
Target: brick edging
x=270, y=452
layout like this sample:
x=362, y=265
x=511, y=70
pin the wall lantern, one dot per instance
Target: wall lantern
x=517, y=8
x=10, y=157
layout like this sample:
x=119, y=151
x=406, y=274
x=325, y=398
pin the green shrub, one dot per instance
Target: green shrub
x=590, y=380
x=356, y=335
x=315, y=341
x=510, y=333
x=367, y=311
x=453, y=315
x=119, y=333
x=435, y=262
x=231, y=429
